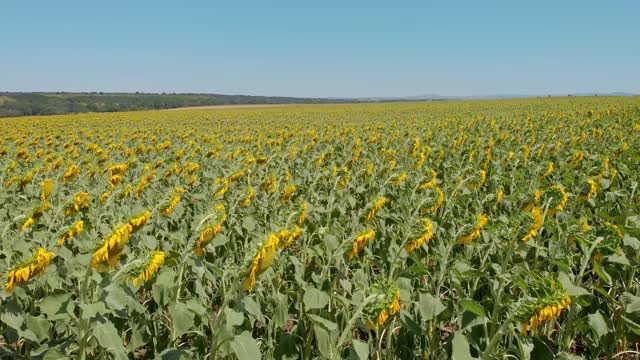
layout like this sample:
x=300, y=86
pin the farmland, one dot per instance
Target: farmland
x=461, y=229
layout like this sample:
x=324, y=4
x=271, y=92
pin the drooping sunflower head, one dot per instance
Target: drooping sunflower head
x=476, y=180
x=531, y=224
x=425, y=235
x=469, y=236
x=557, y=199
x=23, y=272
x=261, y=261
x=588, y=190
x=47, y=189
x=542, y=302
x=138, y=221
x=611, y=239
x=386, y=305
x=148, y=269
x=431, y=180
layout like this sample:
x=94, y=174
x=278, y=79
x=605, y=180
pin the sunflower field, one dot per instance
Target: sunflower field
x=428, y=230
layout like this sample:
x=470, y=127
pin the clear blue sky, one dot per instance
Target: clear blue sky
x=326, y=48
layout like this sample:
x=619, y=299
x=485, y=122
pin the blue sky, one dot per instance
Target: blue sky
x=322, y=48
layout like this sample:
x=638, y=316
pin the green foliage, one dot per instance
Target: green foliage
x=310, y=298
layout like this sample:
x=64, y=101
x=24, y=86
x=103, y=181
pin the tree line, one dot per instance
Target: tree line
x=27, y=104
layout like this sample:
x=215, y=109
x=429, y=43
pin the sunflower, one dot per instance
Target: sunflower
x=303, y=213
x=47, y=189
x=24, y=272
x=261, y=261
x=379, y=313
x=206, y=235
x=427, y=234
x=146, y=271
x=591, y=192
x=481, y=221
x=430, y=183
x=70, y=233
x=536, y=224
x=360, y=242
x=377, y=205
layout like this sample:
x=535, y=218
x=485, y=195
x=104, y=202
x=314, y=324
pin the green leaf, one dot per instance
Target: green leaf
x=219, y=240
x=13, y=321
x=54, y=354
x=117, y=299
x=430, y=307
x=196, y=307
x=107, y=336
x=281, y=312
x=323, y=340
x=473, y=306
x=569, y=356
x=165, y=281
x=174, y=354
x=361, y=348
x=604, y=276
x=460, y=347
x=245, y=347
x=569, y=287
x=331, y=242
x=631, y=303
x=618, y=259
x=598, y=324
x=182, y=319
x=53, y=306
x=631, y=242
x=233, y=318
x=315, y=299
x=327, y=324
x=249, y=223
x=38, y=326
x=253, y=308
x=91, y=310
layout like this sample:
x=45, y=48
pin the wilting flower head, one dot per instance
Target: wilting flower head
x=145, y=272
x=549, y=170
x=71, y=173
x=479, y=180
x=303, y=213
x=168, y=209
x=360, y=242
x=591, y=191
x=113, y=246
x=47, y=189
x=261, y=261
x=26, y=271
x=481, y=221
x=287, y=237
x=536, y=224
x=248, y=198
x=206, y=235
x=287, y=192
x=557, y=198
x=70, y=233
x=377, y=205
x=499, y=196
x=427, y=234
x=547, y=305
x=399, y=179
x=429, y=183
x=80, y=201
x=389, y=305
x=36, y=213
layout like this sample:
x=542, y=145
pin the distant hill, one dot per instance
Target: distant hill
x=432, y=97
x=24, y=104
